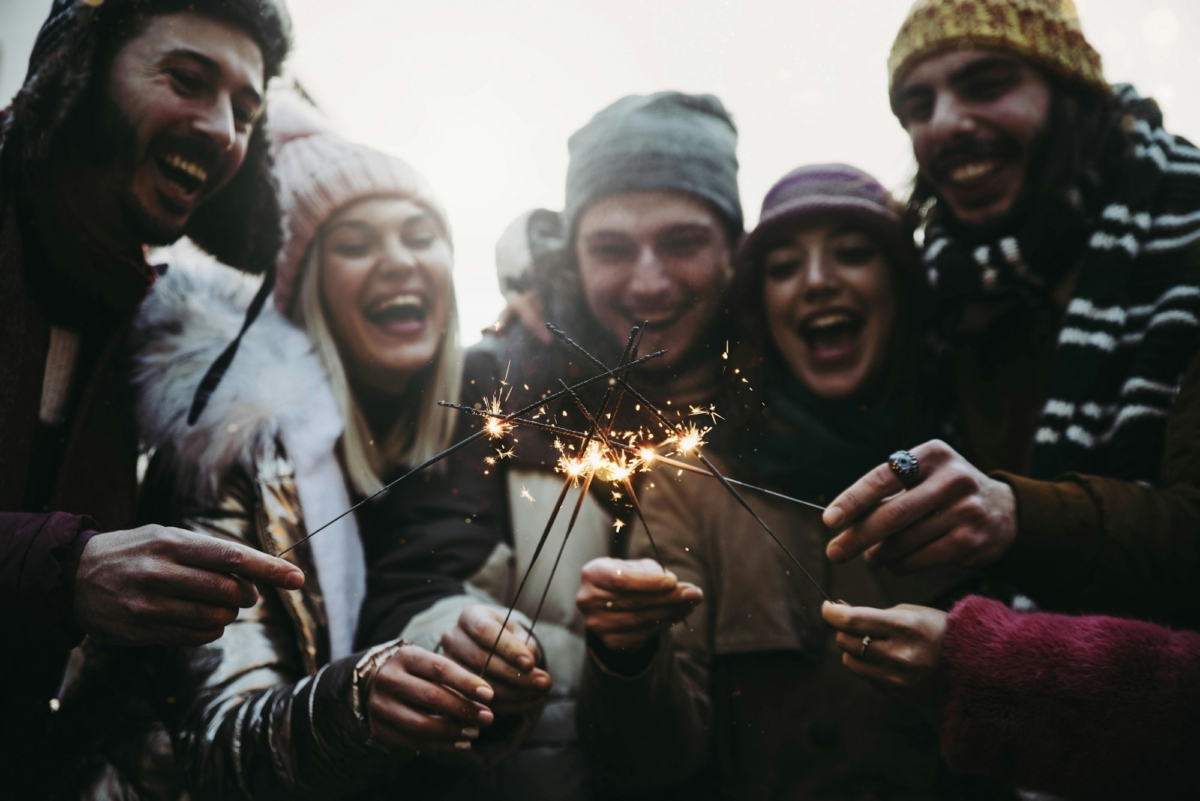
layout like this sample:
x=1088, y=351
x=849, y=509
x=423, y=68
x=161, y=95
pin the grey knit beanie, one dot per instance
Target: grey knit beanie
x=669, y=141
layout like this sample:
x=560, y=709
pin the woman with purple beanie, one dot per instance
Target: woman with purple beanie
x=750, y=688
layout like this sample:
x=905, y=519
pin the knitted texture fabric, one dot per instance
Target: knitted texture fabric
x=319, y=173
x=669, y=141
x=824, y=190
x=1133, y=323
x=1046, y=32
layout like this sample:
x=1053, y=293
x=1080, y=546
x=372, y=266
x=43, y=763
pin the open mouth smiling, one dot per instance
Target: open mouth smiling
x=398, y=313
x=831, y=334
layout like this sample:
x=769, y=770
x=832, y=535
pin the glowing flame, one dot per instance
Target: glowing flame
x=495, y=427
x=690, y=438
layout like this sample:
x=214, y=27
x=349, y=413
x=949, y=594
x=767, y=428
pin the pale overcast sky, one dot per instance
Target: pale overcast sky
x=481, y=95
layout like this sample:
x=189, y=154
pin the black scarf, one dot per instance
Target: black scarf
x=808, y=447
x=1131, y=327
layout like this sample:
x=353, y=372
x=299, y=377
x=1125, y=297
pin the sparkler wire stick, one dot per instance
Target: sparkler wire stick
x=477, y=435
x=704, y=459
x=562, y=496
x=631, y=348
x=570, y=432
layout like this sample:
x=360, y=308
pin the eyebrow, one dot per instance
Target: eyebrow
x=959, y=76
x=982, y=65
x=211, y=66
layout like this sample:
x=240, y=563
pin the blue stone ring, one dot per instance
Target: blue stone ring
x=906, y=468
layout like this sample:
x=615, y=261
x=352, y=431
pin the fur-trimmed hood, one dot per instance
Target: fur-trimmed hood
x=275, y=390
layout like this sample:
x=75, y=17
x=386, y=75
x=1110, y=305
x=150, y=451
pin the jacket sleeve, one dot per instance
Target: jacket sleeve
x=652, y=728
x=39, y=557
x=1069, y=705
x=251, y=720
x=1102, y=545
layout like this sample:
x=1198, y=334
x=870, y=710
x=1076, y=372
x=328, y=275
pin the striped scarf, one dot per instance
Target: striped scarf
x=1133, y=324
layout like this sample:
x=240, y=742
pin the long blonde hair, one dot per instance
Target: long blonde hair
x=413, y=438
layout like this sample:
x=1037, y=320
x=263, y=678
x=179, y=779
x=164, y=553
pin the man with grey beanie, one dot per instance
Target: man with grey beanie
x=652, y=216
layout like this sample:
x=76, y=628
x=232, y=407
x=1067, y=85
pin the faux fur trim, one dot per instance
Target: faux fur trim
x=275, y=383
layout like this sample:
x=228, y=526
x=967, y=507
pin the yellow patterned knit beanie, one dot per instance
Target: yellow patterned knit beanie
x=1046, y=32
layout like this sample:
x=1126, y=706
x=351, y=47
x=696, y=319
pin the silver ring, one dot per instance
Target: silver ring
x=906, y=468
x=866, y=641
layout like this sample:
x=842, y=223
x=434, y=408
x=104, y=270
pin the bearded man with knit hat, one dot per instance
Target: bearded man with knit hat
x=1062, y=243
x=139, y=121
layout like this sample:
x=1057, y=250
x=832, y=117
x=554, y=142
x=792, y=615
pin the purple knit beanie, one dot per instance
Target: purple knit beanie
x=830, y=190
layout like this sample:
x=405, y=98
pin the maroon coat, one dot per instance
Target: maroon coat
x=94, y=487
x=1081, y=707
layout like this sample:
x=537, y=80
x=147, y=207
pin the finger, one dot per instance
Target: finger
x=403, y=688
x=878, y=652
x=912, y=539
x=482, y=624
x=869, y=670
x=946, y=550
x=649, y=621
x=210, y=553
x=205, y=586
x=174, y=636
x=599, y=600
x=439, y=669
x=463, y=649
x=189, y=615
x=420, y=725
x=891, y=516
x=861, y=497
x=394, y=739
x=861, y=620
x=628, y=576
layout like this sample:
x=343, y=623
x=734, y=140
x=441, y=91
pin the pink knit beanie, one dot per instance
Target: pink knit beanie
x=319, y=172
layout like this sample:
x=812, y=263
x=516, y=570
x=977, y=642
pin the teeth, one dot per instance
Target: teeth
x=190, y=167
x=399, y=301
x=829, y=320
x=972, y=170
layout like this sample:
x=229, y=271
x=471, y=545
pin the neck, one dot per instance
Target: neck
x=382, y=408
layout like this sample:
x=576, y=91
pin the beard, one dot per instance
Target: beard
x=113, y=151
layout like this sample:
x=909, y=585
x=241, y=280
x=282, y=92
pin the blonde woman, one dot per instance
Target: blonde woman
x=330, y=391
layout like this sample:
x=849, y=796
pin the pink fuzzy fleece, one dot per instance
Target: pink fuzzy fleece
x=1083, y=707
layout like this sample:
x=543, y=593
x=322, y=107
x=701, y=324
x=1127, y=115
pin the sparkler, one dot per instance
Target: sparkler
x=467, y=441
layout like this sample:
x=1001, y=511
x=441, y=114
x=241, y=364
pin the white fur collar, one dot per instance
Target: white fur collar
x=275, y=383
x=274, y=391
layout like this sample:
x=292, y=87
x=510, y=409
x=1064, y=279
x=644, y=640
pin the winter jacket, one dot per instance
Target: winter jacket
x=1080, y=707
x=65, y=475
x=752, y=681
x=276, y=706
x=1084, y=543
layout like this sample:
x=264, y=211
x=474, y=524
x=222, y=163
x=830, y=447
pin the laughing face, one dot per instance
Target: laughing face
x=660, y=257
x=975, y=119
x=182, y=99
x=385, y=279
x=830, y=306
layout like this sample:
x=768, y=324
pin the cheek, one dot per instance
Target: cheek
x=341, y=282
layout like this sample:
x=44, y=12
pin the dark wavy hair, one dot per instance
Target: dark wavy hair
x=240, y=225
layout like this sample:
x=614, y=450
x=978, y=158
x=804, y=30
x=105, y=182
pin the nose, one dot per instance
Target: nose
x=398, y=261
x=216, y=122
x=650, y=278
x=820, y=274
x=950, y=116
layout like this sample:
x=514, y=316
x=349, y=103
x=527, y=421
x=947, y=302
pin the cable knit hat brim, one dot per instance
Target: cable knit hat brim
x=319, y=173
x=1046, y=32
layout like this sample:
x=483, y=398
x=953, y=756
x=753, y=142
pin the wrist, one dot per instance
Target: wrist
x=627, y=662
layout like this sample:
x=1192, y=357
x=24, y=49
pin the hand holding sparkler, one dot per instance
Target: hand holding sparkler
x=627, y=603
x=520, y=686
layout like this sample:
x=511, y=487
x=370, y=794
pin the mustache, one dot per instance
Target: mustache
x=972, y=149
x=194, y=147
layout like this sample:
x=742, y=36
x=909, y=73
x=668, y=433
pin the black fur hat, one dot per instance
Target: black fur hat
x=240, y=225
